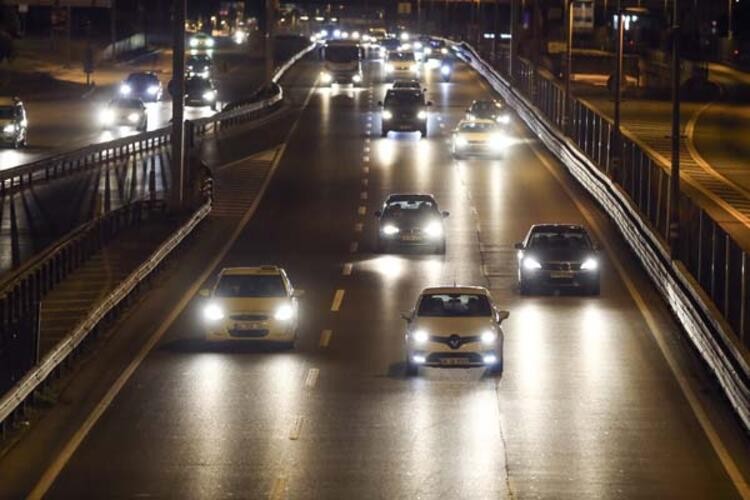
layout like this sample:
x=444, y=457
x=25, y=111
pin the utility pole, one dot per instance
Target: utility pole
x=568, y=66
x=674, y=180
x=178, y=106
x=270, y=20
x=616, y=151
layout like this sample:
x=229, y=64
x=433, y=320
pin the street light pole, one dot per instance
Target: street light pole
x=616, y=151
x=674, y=180
x=178, y=106
x=568, y=66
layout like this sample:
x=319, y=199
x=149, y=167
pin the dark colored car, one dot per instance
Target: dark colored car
x=125, y=112
x=200, y=92
x=144, y=86
x=407, y=84
x=488, y=109
x=557, y=256
x=198, y=65
x=411, y=220
x=404, y=110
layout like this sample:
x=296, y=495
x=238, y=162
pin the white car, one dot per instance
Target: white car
x=455, y=326
x=251, y=304
x=202, y=41
x=401, y=64
x=479, y=137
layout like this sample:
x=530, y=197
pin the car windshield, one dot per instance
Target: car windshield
x=342, y=53
x=478, y=127
x=251, y=286
x=7, y=112
x=401, y=56
x=406, y=85
x=139, y=79
x=414, y=206
x=454, y=305
x=483, y=107
x=126, y=103
x=563, y=239
x=198, y=63
x=404, y=99
x=197, y=84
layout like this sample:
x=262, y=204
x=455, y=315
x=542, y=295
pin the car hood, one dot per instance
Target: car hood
x=264, y=305
x=462, y=326
x=559, y=254
x=475, y=136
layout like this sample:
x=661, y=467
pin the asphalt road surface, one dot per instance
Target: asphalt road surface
x=587, y=405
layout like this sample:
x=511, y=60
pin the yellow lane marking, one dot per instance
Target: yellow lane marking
x=358, y=227
x=354, y=247
x=278, y=489
x=296, y=430
x=362, y=210
x=312, y=377
x=347, y=271
x=363, y=195
x=59, y=462
x=337, y=298
x=325, y=338
x=661, y=337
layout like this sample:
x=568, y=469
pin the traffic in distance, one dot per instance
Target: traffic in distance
x=449, y=326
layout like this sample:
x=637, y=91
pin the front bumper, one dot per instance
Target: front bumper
x=441, y=355
x=341, y=78
x=269, y=330
x=9, y=138
x=560, y=279
x=412, y=239
x=478, y=149
x=404, y=124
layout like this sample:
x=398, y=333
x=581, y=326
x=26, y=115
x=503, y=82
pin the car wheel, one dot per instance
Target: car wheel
x=440, y=248
x=384, y=132
x=524, y=288
x=423, y=132
x=412, y=369
x=497, y=368
x=594, y=289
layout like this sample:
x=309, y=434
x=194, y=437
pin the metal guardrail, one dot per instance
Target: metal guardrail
x=22, y=292
x=636, y=200
x=34, y=378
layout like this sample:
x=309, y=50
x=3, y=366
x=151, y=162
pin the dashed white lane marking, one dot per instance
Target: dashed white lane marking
x=365, y=181
x=362, y=210
x=363, y=195
x=367, y=149
x=358, y=227
x=353, y=247
x=367, y=140
x=278, y=489
x=312, y=377
x=325, y=338
x=474, y=210
x=366, y=170
x=366, y=159
x=347, y=270
x=296, y=431
x=338, y=297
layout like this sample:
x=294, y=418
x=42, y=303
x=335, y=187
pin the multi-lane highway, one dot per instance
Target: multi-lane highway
x=65, y=120
x=600, y=396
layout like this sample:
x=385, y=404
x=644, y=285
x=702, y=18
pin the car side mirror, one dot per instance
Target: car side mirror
x=406, y=317
x=446, y=213
x=378, y=213
x=518, y=246
x=205, y=293
x=298, y=294
x=424, y=90
x=502, y=316
x=380, y=103
x=429, y=103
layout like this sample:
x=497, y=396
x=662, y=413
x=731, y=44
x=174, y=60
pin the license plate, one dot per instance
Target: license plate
x=453, y=361
x=247, y=325
x=561, y=274
x=411, y=237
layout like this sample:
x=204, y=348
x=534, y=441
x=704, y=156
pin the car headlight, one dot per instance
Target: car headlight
x=445, y=70
x=125, y=89
x=204, y=74
x=422, y=115
x=107, y=117
x=444, y=50
x=389, y=68
x=434, y=229
x=414, y=68
x=390, y=230
x=488, y=337
x=498, y=141
x=326, y=77
x=193, y=42
x=209, y=96
x=213, y=312
x=387, y=115
x=153, y=90
x=531, y=264
x=427, y=51
x=470, y=117
x=357, y=78
x=461, y=141
x=210, y=42
x=9, y=128
x=133, y=117
x=420, y=336
x=355, y=35
x=504, y=119
x=590, y=264
x=284, y=313
x=417, y=45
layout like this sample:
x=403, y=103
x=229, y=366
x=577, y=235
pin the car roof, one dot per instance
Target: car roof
x=266, y=270
x=558, y=227
x=456, y=289
x=409, y=197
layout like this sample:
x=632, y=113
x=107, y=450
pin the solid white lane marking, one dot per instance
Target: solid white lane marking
x=278, y=489
x=338, y=297
x=296, y=430
x=363, y=195
x=312, y=377
x=59, y=462
x=361, y=210
x=358, y=227
x=325, y=338
x=347, y=270
x=366, y=159
x=353, y=247
x=474, y=209
x=661, y=337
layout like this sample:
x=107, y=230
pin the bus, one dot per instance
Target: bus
x=342, y=62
